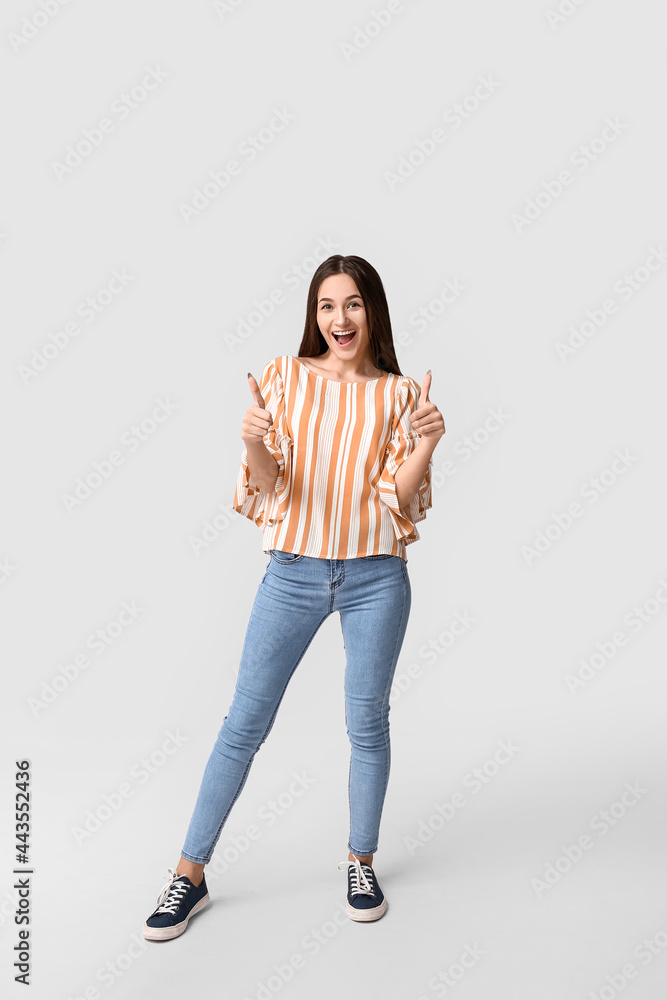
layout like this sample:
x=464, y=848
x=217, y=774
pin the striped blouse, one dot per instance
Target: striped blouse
x=338, y=446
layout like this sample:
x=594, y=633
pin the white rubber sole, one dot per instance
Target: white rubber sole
x=367, y=915
x=166, y=933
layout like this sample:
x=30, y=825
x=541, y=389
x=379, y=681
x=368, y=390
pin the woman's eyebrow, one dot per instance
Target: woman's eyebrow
x=353, y=296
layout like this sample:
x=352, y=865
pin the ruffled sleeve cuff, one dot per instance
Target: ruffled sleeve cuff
x=405, y=518
x=261, y=507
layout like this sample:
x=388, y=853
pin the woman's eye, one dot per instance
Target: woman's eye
x=327, y=305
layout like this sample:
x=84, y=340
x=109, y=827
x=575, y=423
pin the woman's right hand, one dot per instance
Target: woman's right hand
x=257, y=420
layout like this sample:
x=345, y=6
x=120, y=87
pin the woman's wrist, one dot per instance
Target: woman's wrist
x=262, y=465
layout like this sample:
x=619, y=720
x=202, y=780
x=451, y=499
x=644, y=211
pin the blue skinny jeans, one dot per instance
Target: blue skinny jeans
x=295, y=596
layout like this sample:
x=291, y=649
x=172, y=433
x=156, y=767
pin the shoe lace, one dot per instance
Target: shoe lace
x=361, y=877
x=171, y=893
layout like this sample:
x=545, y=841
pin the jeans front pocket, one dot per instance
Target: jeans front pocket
x=284, y=557
x=381, y=555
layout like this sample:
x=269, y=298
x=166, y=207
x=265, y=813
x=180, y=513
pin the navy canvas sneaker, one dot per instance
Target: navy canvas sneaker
x=365, y=899
x=179, y=900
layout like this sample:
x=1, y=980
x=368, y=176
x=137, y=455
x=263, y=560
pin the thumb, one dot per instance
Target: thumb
x=254, y=389
x=425, y=389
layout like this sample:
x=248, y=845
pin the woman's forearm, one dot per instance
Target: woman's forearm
x=410, y=474
x=262, y=466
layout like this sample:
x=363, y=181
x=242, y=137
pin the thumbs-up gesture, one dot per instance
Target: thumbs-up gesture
x=427, y=420
x=257, y=420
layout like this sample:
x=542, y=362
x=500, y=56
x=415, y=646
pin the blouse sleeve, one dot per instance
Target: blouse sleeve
x=403, y=442
x=266, y=508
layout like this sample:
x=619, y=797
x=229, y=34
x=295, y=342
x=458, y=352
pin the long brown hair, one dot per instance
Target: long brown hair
x=371, y=291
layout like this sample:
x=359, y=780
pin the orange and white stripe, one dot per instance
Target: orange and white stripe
x=338, y=446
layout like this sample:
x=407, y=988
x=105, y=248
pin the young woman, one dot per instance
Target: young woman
x=336, y=471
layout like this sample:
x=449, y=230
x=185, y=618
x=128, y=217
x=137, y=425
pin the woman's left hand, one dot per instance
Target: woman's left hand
x=427, y=419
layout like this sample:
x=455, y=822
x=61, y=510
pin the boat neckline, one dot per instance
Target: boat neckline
x=339, y=381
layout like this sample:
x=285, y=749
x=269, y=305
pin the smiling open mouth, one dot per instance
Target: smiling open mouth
x=344, y=338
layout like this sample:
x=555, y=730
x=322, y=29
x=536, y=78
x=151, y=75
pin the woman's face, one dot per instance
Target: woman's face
x=340, y=308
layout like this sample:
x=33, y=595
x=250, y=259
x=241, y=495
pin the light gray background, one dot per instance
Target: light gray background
x=166, y=337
